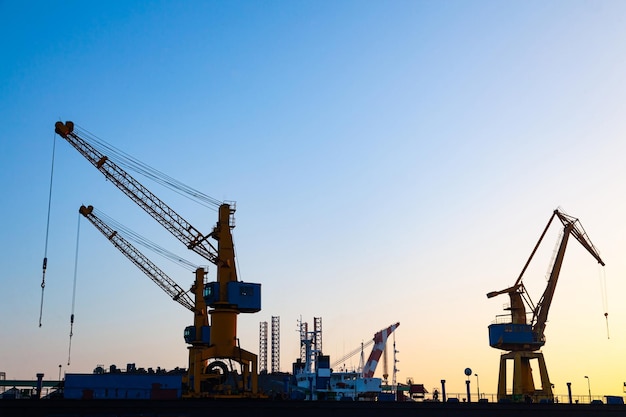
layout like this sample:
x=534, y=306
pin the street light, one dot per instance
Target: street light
x=588, y=387
x=477, y=386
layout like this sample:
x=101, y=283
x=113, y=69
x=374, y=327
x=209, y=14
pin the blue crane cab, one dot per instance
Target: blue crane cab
x=244, y=296
x=511, y=336
x=191, y=335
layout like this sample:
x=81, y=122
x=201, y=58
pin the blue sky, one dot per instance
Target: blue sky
x=391, y=161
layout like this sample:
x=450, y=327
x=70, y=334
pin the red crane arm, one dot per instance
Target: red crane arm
x=380, y=339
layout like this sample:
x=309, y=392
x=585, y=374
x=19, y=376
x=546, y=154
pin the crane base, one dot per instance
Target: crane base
x=523, y=385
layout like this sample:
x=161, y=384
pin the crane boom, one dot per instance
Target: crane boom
x=140, y=260
x=161, y=212
x=380, y=340
x=572, y=227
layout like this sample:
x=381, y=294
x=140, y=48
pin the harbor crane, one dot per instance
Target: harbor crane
x=522, y=333
x=226, y=297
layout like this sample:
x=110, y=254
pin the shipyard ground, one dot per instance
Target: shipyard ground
x=268, y=408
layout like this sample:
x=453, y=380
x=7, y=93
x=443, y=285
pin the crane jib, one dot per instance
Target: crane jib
x=140, y=260
x=181, y=229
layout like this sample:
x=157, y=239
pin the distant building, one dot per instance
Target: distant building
x=123, y=385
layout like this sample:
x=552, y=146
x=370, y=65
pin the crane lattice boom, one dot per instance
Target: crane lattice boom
x=571, y=226
x=140, y=260
x=349, y=355
x=161, y=212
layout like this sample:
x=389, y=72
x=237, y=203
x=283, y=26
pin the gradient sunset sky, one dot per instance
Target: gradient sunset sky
x=392, y=161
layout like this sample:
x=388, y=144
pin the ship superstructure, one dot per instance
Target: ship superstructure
x=314, y=379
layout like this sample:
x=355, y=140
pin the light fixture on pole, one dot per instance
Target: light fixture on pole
x=477, y=386
x=589, y=388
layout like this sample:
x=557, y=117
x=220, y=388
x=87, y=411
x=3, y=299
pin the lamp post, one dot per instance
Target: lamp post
x=589, y=388
x=477, y=386
x=569, y=391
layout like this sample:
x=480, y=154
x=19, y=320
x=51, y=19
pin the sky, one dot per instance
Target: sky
x=390, y=161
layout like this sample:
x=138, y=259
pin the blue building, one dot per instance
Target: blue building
x=123, y=385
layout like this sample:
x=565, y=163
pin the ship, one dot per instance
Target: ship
x=314, y=379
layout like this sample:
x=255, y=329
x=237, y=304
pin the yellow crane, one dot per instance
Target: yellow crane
x=226, y=297
x=523, y=337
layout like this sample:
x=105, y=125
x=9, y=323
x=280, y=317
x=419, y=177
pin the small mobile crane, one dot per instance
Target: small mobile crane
x=214, y=343
x=522, y=338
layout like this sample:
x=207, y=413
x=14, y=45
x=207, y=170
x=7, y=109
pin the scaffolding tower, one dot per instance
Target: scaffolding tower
x=263, y=346
x=304, y=332
x=317, y=336
x=310, y=343
x=275, y=344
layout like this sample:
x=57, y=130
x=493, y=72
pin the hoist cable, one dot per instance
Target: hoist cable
x=127, y=161
x=146, y=243
x=239, y=275
x=69, y=352
x=605, y=302
x=45, y=251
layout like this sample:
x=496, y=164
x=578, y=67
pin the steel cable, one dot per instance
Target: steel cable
x=131, y=163
x=146, y=243
x=45, y=254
